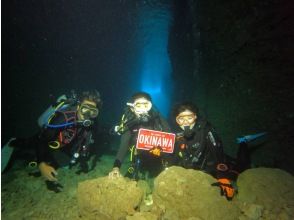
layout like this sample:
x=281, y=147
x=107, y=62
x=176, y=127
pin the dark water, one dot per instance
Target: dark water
x=51, y=47
x=232, y=59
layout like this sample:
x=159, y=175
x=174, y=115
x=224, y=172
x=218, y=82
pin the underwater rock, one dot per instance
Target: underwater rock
x=188, y=194
x=268, y=192
x=142, y=216
x=264, y=193
x=104, y=198
x=253, y=211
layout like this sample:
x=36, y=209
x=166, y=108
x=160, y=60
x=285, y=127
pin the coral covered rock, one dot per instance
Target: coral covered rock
x=104, y=198
x=185, y=193
x=267, y=192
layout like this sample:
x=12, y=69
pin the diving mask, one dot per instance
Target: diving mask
x=89, y=111
x=186, y=118
x=141, y=106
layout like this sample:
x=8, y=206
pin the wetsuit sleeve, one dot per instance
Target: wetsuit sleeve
x=174, y=158
x=46, y=135
x=42, y=148
x=215, y=149
x=123, y=148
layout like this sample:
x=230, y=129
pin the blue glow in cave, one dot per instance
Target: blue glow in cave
x=155, y=72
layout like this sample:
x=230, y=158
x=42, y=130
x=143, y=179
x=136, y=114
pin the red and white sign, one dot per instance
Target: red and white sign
x=149, y=139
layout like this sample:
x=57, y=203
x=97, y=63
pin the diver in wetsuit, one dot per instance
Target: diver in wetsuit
x=139, y=114
x=199, y=147
x=66, y=134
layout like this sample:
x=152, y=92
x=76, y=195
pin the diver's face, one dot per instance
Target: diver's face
x=186, y=118
x=87, y=110
x=141, y=106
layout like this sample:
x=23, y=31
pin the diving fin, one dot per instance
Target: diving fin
x=249, y=138
x=6, y=153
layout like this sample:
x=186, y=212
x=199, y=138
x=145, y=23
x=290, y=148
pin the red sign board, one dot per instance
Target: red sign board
x=149, y=139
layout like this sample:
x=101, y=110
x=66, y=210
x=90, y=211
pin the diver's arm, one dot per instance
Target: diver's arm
x=46, y=136
x=49, y=138
x=42, y=148
x=123, y=148
x=214, y=143
x=44, y=155
x=215, y=148
x=222, y=173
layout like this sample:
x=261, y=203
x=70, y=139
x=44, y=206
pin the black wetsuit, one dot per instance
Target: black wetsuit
x=198, y=148
x=73, y=139
x=128, y=140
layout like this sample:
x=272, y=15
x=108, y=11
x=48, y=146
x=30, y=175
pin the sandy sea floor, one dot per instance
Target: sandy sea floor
x=25, y=196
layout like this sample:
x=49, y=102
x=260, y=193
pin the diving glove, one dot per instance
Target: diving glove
x=226, y=187
x=156, y=151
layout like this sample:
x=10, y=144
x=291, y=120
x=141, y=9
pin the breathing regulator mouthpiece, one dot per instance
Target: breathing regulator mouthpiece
x=86, y=123
x=144, y=117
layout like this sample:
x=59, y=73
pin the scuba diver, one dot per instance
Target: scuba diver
x=198, y=147
x=139, y=113
x=65, y=135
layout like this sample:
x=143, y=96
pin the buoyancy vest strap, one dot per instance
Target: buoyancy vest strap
x=132, y=149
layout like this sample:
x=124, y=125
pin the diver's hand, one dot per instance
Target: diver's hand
x=47, y=171
x=114, y=174
x=156, y=151
x=226, y=188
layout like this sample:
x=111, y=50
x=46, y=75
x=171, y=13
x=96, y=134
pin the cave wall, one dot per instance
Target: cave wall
x=241, y=75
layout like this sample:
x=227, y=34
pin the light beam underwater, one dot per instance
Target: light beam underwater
x=155, y=75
